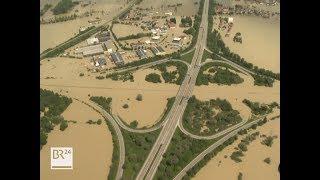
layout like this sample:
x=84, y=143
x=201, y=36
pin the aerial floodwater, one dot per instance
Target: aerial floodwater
x=160, y=89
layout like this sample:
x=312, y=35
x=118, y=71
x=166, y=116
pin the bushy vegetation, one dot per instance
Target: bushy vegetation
x=267, y=160
x=52, y=106
x=218, y=47
x=123, y=76
x=134, y=124
x=240, y=175
x=262, y=109
x=217, y=75
x=139, y=97
x=263, y=81
x=99, y=121
x=63, y=125
x=105, y=103
x=63, y=6
x=137, y=146
x=153, y=77
x=125, y=106
x=243, y=146
x=186, y=21
x=268, y=141
x=181, y=151
x=176, y=76
x=134, y=36
x=199, y=114
x=45, y=8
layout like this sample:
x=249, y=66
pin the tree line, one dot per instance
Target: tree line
x=64, y=6
x=52, y=105
x=104, y=102
x=217, y=46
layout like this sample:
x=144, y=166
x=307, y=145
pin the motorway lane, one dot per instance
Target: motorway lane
x=185, y=91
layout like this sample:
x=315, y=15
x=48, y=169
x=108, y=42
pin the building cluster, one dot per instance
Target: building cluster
x=245, y=10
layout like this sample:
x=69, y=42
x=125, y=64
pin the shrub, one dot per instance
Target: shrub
x=125, y=106
x=63, y=125
x=81, y=74
x=139, y=97
x=240, y=176
x=153, y=77
x=134, y=124
x=267, y=160
x=99, y=121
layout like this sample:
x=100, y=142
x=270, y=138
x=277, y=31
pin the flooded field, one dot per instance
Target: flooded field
x=260, y=41
x=66, y=78
x=53, y=34
x=252, y=166
x=92, y=146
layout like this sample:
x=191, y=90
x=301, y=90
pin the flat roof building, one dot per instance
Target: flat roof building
x=117, y=58
x=91, y=50
x=158, y=50
x=141, y=54
x=92, y=41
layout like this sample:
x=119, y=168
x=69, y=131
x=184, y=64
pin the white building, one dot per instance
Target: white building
x=92, y=41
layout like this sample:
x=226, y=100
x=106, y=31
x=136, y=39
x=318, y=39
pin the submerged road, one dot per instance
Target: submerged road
x=185, y=91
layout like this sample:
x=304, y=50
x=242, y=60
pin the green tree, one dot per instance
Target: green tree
x=134, y=124
x=125, y=106
x=63, y=125
x=139, y=97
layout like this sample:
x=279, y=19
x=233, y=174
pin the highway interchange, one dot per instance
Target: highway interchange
x=174, y=117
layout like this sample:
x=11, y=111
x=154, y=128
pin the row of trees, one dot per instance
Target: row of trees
x=61, y=19
x=134, y=36
x=200, y=113
x=123, y=76
x=260, y=109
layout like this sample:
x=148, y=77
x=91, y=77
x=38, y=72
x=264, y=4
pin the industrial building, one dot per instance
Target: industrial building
x=117, y=58
x=158, y=50
x=141, y=54
x=92, y=41
x=91, y=50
